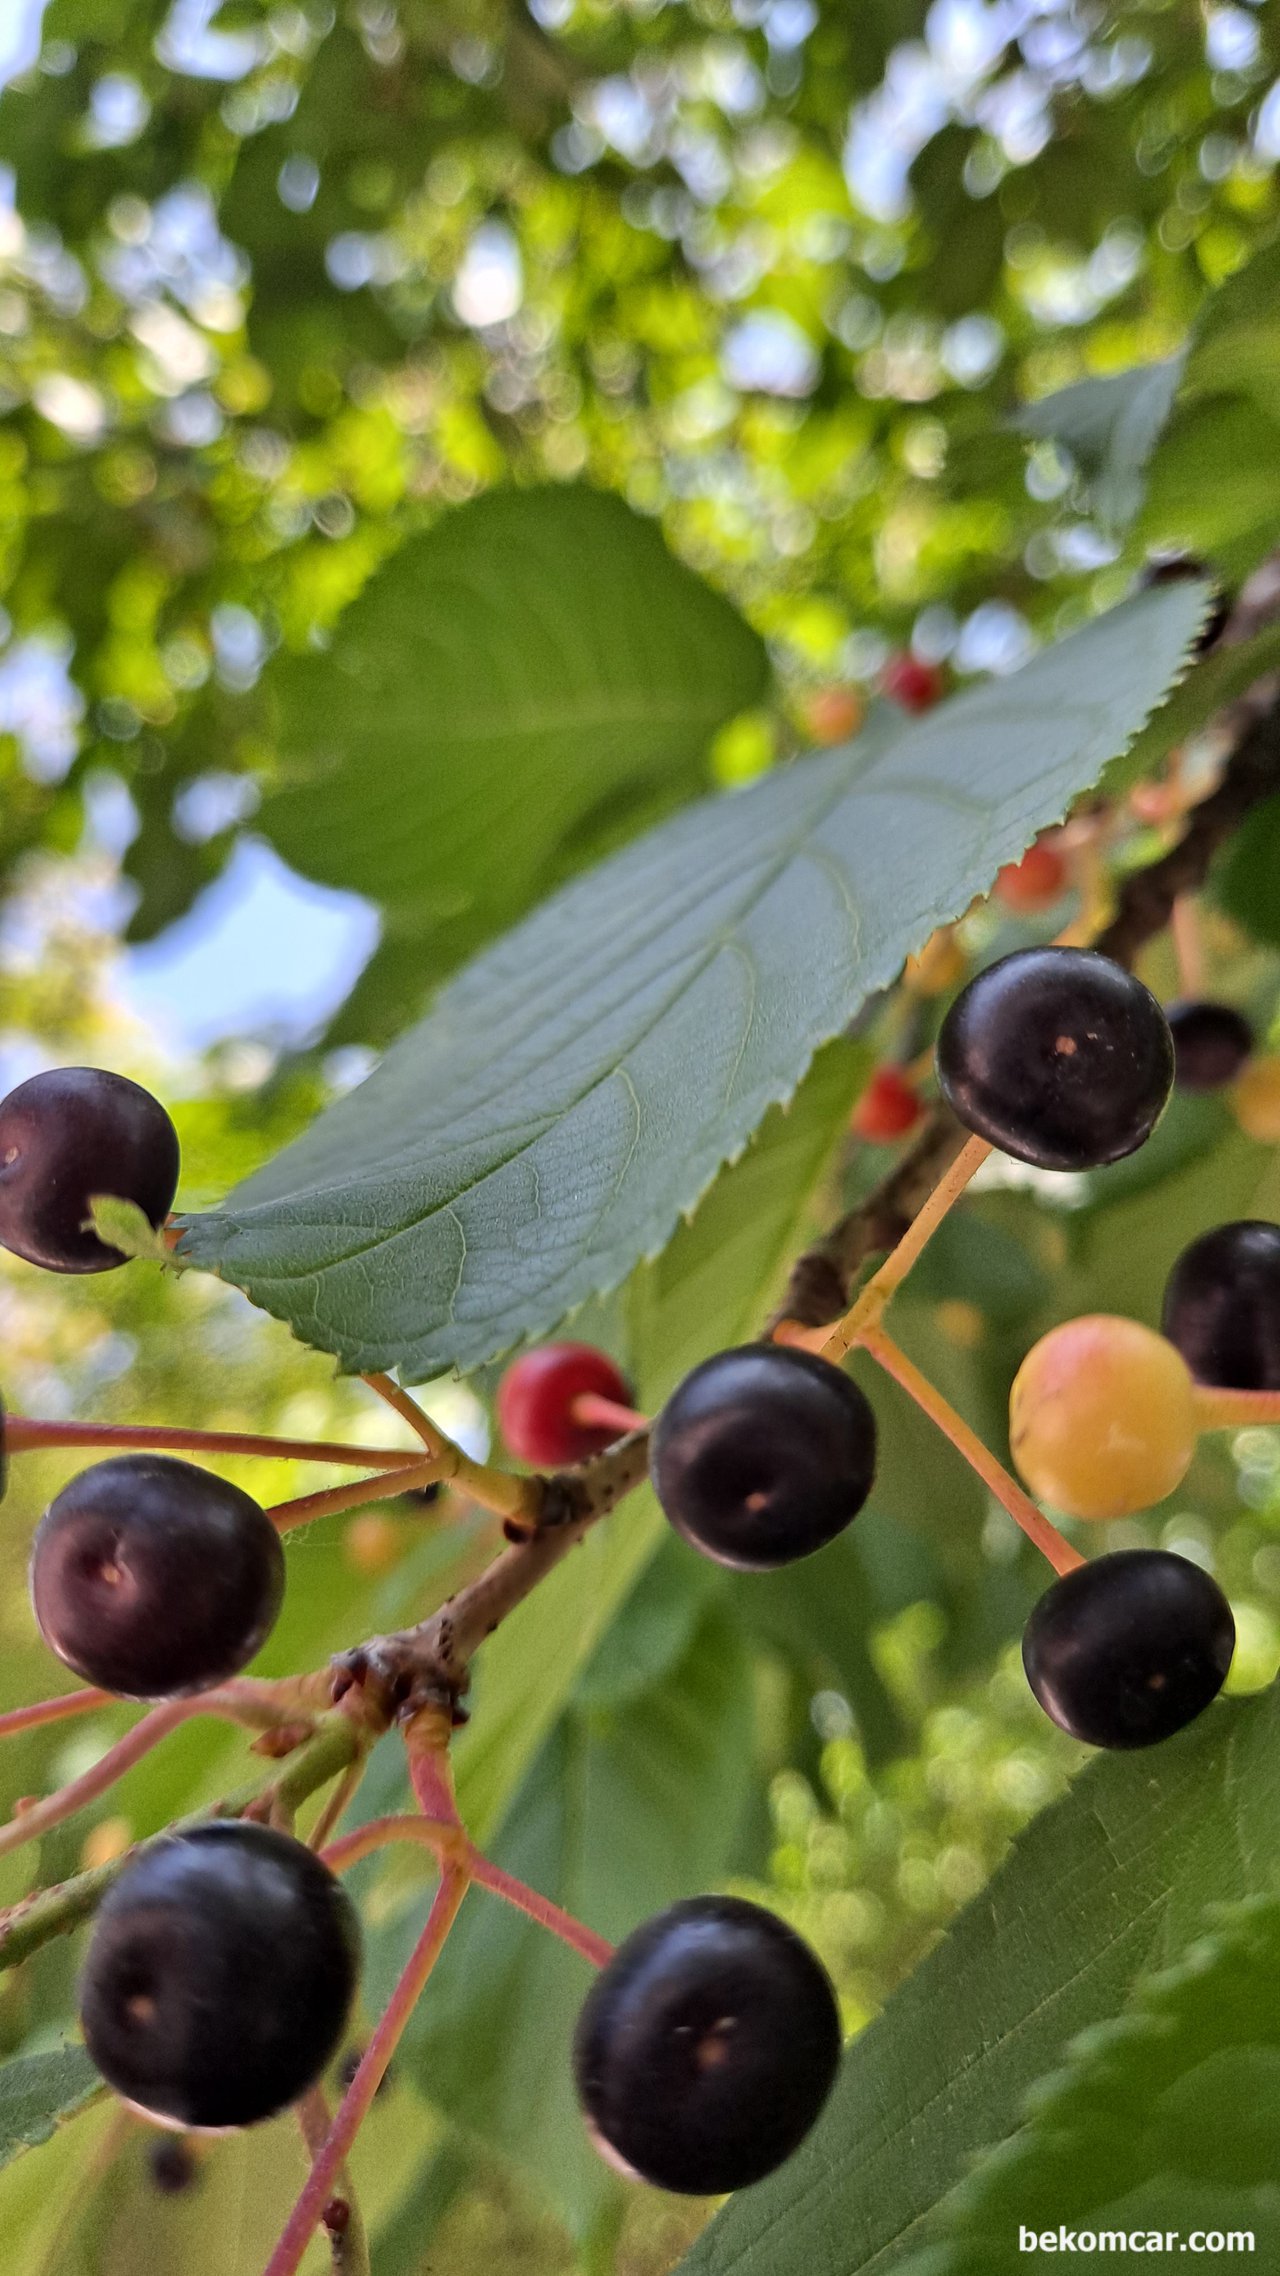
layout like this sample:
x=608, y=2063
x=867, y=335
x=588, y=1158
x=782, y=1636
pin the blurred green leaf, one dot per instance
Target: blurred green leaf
x=1247, y=882
x=1109, y=1882
x=1109, y=427
x=1164, y=2118
x=579, y=1085
x=1214, y=480
x=524, y=686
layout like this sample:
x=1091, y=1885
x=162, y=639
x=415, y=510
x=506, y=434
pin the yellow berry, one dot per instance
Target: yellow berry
x=105, y=1843
x=1102, y=1417
x=961, y=1323
x=372, y=1543
x=1256, y=1098
x=941, y=964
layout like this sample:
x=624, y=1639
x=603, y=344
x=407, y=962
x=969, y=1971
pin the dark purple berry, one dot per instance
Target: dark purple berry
x=763, y=1454
x=1222, y=1306
x=67, y=1136
x=152, y=1578
x=220, y=1975
x=1058, y=1056
x=1211, y=1043
x=707, y=2047
x=172, y=2165
x=1130, y=1648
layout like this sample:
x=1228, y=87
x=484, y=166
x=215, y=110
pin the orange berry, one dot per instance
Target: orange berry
x=372, y=1543
x=941, y=964
x=1256, y=1099
x=1102, y=1417
x=1033, y=883
x=887, y=1109
x=107, y=1841
x=833, y=714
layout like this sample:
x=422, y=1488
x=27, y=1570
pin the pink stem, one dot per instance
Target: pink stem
x=596, y=1949
x=993, y=1474
x=41, y=1816
x=358, y=2099
x=24, y=1435
x=599, y=1413
x=348, y=1850
x=52, y=1711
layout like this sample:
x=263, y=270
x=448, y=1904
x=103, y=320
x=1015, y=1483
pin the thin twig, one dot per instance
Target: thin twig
x=993, y=1474
x=44, y=1711
x=309, y=2210
x=23, y=1434
x=348, y=2240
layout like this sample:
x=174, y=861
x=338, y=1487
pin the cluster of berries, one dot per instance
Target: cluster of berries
x=763, y=1454
x=224, y=1960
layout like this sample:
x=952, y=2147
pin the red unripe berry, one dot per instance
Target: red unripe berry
x=535, y=1403
x=887, y=1109
x=917, y=686
x=1035, y=882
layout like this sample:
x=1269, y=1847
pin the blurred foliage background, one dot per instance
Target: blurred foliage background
x=279, y=285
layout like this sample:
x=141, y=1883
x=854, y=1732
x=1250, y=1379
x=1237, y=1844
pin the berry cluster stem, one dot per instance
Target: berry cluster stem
x=356, y=2103
x=23, y=1434
x=307, y=1507
x=348, y=2238
x=993, y=1474
x=867, y=1312
x=1235, y=1410
x=238, y=1702
x=599, y=1413
x=42, y=1711
x=517, y=1499
x=574, y=1933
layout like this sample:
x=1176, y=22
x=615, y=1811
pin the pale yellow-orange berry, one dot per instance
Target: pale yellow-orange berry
x=372, y=1543
x=1256, y=1099
x=105, y=1842
x=1102, y=1417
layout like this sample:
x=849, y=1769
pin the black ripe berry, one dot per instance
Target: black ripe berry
x=171, y=2164
x=1211, y=1043
x=763, y=1454
x=152, y=1578
x=220, y=1975
x=67, y=1136
x=706, y=2047
x=1058, y=1056
x=1129, y=1648
x=1222, y=1306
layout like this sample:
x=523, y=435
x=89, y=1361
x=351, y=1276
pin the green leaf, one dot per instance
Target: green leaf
x=1248, y=882
x=1109, y=427
x=1165, y=2118
x=1214, y=481
x=39, y=2092
x=577, y=1088
x=1110, y=1882
x=517, y=690
x=680, y=1309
